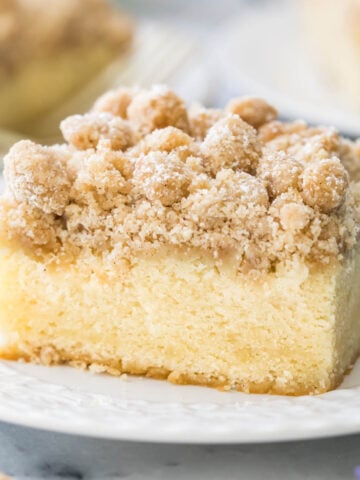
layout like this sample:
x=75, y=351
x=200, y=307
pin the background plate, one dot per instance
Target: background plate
x=71, y=401
x=263, y=52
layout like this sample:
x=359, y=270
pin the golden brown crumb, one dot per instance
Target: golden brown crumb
x=272, y=130
x=37, y=176
x=294, y=217
x=101, y=179
x=28, y=224
x=85, y=228
x=166, y=140
x=224, y=198
x=85, y=131
x=299, y=141
x=212, y=182
x=201, y=119
x=231, y=143
x=279, y=171
x=157, y=108
x=49, y=356
x=324, y=184
x=161, y=177
x=102, y=368
x=115, y=102
x=250, y=189
x=252, y=110
x=293, y=214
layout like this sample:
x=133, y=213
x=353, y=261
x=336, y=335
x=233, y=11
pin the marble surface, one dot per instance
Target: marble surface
x=33, y=455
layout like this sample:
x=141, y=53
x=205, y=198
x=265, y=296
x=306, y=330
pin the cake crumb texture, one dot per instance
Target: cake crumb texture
x=141, y=171
x=175, y=316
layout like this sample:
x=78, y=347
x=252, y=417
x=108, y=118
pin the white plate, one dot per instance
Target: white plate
x=67, y=400
x=263, y=52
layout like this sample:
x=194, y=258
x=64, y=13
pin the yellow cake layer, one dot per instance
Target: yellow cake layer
x=180, y=317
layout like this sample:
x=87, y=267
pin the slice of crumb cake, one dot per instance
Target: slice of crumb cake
x=216, y=247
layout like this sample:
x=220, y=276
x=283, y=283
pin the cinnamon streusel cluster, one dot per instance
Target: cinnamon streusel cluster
x=141, y=171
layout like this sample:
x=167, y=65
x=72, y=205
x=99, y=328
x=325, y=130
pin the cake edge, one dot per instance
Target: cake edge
x=50, y=357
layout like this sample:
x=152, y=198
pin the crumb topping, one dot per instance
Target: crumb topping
x=116, y=101
x=140, y=171
x=39, y=177
x=157, y=108
x=252, y=110
x=85, y=131
x=231, y=143
x=324, y=184
x=202, y=119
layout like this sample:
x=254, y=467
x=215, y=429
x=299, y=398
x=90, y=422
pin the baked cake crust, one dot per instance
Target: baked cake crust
x=204, y=246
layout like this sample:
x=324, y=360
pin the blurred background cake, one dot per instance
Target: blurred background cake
x=49, y=50
x=332, y=28
x=57, y=57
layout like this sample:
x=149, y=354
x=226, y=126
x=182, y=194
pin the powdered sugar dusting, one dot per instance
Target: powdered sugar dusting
x=140, y=172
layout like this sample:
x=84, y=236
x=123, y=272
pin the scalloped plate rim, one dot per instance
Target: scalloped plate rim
x=27, y=401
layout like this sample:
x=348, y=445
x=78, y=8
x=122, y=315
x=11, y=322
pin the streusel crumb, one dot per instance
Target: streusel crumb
x=140, y=172
x=38, y=176
x=201, y=119
x=231, y=143
x=116, y=101
x=279, y=171
x=252, y=110
x=157, y=108
x=161, y=176
x=166, y=140
x=85, y=131
x=324, y=184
